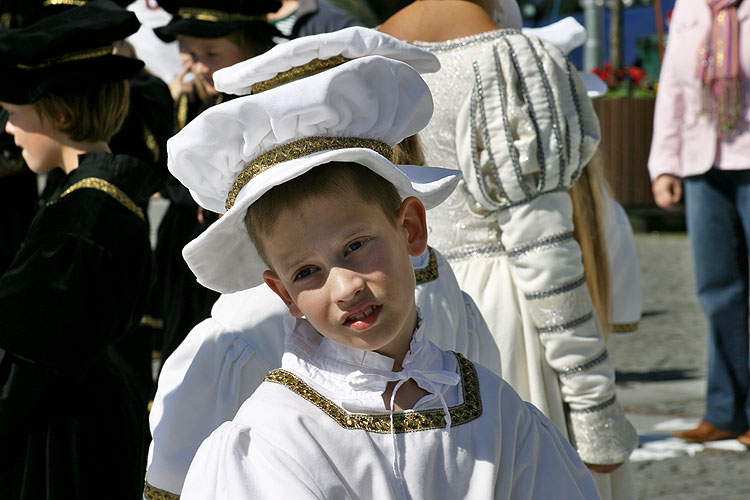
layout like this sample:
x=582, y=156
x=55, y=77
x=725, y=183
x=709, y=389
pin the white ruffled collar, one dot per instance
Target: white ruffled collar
x=356, y=379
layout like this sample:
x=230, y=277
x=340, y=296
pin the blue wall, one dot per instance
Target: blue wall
x=637, y=22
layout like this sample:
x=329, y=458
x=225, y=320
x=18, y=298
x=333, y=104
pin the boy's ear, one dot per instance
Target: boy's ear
x=411, y=216
x=275, y=284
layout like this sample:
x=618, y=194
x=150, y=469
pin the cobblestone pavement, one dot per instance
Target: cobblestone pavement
x=660, y=370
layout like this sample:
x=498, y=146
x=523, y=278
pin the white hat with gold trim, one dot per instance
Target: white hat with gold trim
x=233, y=153
x=309, y=55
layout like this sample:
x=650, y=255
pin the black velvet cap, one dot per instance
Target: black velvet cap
x=73, y=45
x=213, y=18
x=21, y=13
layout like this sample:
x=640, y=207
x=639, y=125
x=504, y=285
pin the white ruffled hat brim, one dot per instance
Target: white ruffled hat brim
x=227, y=241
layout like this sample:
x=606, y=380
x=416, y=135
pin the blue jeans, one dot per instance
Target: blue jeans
x=717, y=209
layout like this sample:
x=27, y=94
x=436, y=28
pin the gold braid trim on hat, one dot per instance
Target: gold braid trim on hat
x=298, y=149
x=73, y=56
x=77, y=3
x=308, y=69
x=215, y=16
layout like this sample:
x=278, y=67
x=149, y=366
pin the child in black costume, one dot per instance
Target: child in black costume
x=70, y=421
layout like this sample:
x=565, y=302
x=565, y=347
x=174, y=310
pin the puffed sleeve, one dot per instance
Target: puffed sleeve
x=202, y=385
x=237, y=463
x=528, y=130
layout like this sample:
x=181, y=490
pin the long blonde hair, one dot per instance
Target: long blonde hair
x=589, y=210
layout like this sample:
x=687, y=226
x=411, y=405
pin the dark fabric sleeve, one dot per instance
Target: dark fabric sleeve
x=64, y=300
x=22, y=384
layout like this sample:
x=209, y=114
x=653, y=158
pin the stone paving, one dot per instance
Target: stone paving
x=660, y=371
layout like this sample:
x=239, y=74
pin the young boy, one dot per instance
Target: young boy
x=71, y=424
x=225, y=358
x=364, y=406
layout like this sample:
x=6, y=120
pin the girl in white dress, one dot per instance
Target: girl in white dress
x=512, y=114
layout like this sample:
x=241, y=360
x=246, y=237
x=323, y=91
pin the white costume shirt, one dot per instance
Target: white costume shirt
x=224, y=359
x=318, y=428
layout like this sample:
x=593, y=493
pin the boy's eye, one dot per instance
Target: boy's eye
x=303, y=273
x=353, y=246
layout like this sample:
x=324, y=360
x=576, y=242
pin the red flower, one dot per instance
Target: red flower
x=636, y=74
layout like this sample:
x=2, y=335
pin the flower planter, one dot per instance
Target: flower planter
x=626, y=127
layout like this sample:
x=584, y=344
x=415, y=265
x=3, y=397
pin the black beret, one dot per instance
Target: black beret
x=72, y=45
x=213, y=18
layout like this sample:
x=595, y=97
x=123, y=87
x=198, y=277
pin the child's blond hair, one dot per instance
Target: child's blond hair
x=90, y=111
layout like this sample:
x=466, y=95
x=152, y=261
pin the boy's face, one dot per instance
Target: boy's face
x=340, y=262
x=208, y=55
x=35, y=135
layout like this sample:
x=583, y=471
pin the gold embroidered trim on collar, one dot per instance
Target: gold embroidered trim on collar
x=215, y=16
x=105, y=187
x=623, y=327
x=407, y=421
x=298, y=72
x=429, y=273
x=299, y=149
x=77, y=3
x=73, y=56
x=153, y=493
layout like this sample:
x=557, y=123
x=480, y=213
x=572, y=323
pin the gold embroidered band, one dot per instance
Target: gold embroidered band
x=429, y=273
x=215, y=16
x=110, y=189
x=299, y=149
x=73, y=56
x=153, y=493
x=407, y=421
x=308, y=69
x=77, y=3
x=623, y=327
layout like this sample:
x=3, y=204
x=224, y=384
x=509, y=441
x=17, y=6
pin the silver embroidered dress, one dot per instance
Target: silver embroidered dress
x=512, y=114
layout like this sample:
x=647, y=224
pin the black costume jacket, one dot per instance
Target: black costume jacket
x=71, y=423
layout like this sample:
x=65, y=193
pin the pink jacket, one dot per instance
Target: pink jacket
x=684, y=141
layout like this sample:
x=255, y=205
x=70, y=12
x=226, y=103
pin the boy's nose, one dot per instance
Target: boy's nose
x=345, y=284
x=8, y=127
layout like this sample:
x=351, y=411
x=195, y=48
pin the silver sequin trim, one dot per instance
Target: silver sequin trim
x=555, y=291
x=532, y=114
x=566, y=326
x=551, y=241
x=550, y=96
x=577, y=103
x=578, y=370
x=512, y=153
x=558, y=309
x=601, y=434
x=486, y=135
x=472, y=252
x=469, y=40
x=599, y=407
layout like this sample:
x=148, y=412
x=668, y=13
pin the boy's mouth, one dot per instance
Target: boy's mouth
x=364, y=318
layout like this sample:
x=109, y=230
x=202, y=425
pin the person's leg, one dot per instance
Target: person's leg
x=721, y=275
x=742, y=202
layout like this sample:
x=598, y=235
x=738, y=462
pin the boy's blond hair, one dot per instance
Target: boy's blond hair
x=91, y=111
x=335, y=178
